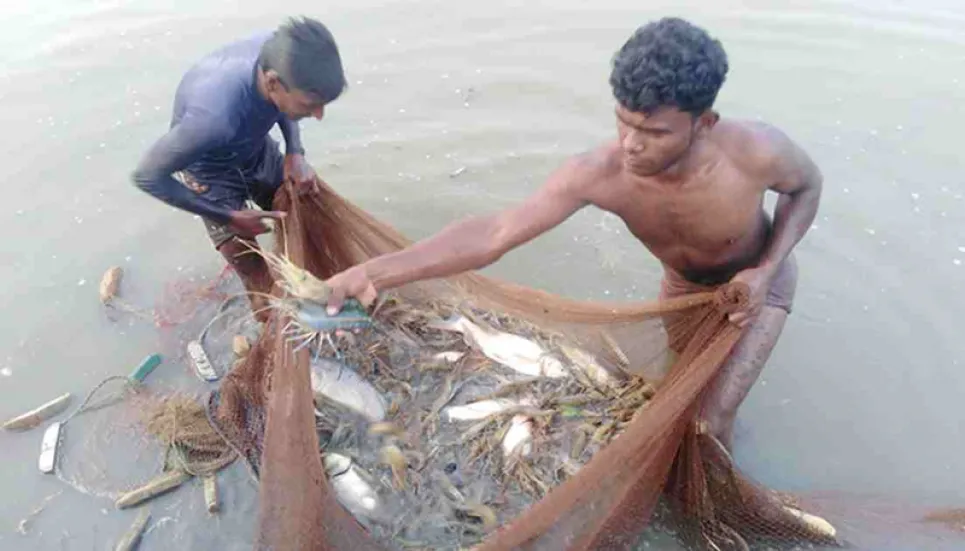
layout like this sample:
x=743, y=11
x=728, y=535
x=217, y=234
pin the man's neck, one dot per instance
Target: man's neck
x=690, y=162
x=261, y=85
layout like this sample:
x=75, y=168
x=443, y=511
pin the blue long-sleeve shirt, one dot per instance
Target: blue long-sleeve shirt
x=219, y=127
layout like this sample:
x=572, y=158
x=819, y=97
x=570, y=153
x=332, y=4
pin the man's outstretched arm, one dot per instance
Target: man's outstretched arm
x=469, y=244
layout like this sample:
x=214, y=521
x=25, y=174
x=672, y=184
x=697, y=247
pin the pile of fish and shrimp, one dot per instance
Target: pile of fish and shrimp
x=434, y=431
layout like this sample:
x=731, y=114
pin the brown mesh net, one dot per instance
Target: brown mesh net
x=266, y=409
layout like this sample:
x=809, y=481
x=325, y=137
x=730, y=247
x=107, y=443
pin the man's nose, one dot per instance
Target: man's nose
x=319, y=112
x=632, y=143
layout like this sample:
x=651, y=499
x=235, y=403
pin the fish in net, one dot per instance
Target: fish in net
x=461, y=441
x=665, y=353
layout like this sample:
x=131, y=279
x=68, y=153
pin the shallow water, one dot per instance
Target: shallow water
x=862, y=396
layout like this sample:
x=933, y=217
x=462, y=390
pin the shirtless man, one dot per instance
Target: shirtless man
x=688, y=185
x=218, y=142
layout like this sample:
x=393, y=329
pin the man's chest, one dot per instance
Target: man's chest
x=246, y=138
x=709, y=215
x=254, y=125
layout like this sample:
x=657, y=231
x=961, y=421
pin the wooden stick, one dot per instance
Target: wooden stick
x=133, y=535
x=110, y=282
x=34, y=417
x=154, y=488
x=211, y=493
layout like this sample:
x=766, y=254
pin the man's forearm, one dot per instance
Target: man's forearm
x=167, y=189
x=464, y=246
x=793, y=216
x=292, y=135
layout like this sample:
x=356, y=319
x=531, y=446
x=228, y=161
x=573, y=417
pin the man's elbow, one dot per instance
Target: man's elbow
x=141, y=179
x=146, y=179
x=477, y=241
x=813, y=189
x=497, y=242
x=813, y=179
x=489, y=253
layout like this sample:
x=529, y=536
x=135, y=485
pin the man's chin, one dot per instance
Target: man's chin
x=639, y=169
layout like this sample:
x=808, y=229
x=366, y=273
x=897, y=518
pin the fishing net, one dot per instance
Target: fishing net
x=129, y=442
x=125, y=432
x=668, y=351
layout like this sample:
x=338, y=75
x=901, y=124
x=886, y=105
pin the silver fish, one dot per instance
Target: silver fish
x=587, y=363
x=342, y=384
x=517, y=353
x=814, y=523
x=477, y=411
x=351, y=489
x=519, y=438
x=449, y=357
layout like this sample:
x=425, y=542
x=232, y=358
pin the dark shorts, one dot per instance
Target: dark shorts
x=251, y=186
x=780, y=295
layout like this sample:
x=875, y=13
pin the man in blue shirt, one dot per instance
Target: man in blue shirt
x=218, y=145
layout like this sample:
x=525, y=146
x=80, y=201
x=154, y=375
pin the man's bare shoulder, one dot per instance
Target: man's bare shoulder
x=582, y=173
x=759, y=147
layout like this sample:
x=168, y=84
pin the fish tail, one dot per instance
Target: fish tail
x=448, y=324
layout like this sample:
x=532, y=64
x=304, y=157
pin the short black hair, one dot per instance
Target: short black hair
x=304, y=54
x=669, y=63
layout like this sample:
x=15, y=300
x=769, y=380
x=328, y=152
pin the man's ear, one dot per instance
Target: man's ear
x=273, y=82
x=707, y=120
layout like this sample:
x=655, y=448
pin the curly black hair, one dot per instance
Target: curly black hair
x=669, y=62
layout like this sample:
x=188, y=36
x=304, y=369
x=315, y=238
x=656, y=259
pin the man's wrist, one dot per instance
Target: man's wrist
x=770, y=267
x=375, y=272
x=295, y=150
